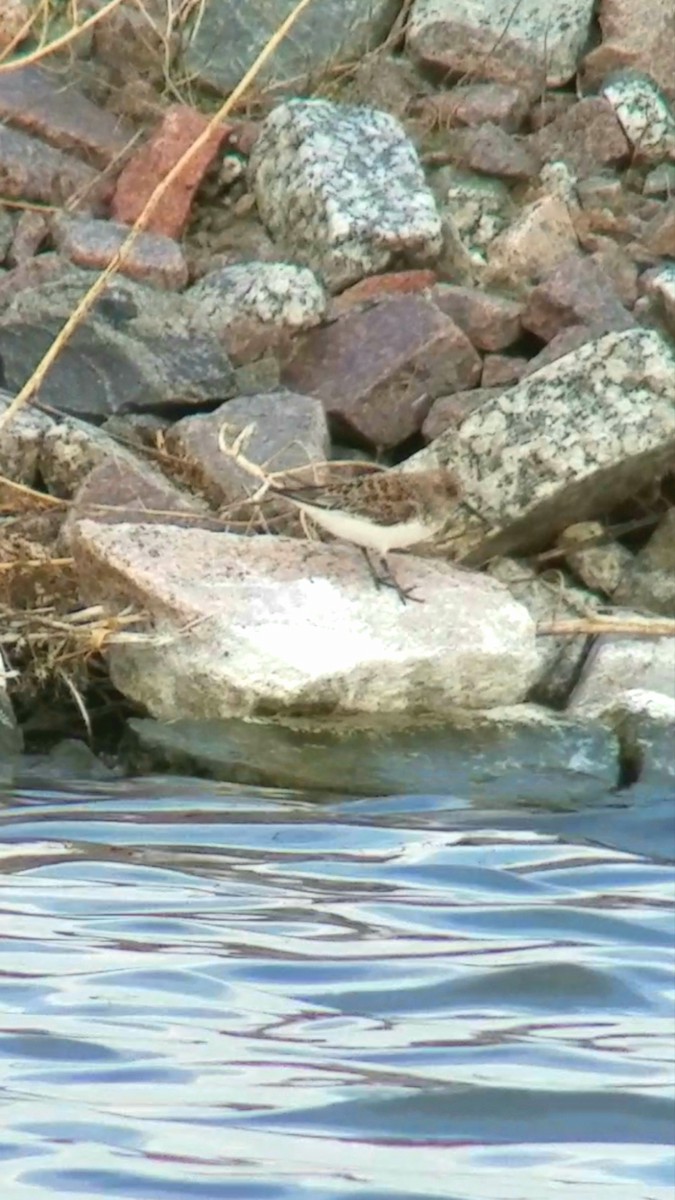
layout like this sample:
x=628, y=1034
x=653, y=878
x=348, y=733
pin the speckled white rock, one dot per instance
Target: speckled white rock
x=478, y=207
x=273, y=293
x=535, y=42
x=341, y=189
x=565, y=444
x=282, y=625
x=643, y=112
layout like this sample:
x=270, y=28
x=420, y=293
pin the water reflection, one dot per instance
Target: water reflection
x=209, y=992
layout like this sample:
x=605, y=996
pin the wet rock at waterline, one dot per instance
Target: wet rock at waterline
x=11, y=740
x=628, y=683
x=278, y=625
x=517, y=755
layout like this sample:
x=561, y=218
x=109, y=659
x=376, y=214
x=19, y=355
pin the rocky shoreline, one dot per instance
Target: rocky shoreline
x=454, y=259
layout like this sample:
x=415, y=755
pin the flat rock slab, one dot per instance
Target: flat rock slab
x=535, y=42
x=277, y=625
x=229, y=35
x=565, y=444
x=341, y=189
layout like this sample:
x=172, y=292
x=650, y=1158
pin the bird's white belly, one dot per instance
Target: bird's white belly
x=363, y=532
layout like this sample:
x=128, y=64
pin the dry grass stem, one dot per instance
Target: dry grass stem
x=630, y=626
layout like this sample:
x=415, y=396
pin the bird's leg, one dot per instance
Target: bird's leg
x=384, y=577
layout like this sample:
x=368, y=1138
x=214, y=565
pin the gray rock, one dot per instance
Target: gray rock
x=649, y=581
x=136, y=351
x=564, y=445
x=341, y=189
x=535, y=43
x=286, y=430
x=228, y=36
x=243, y=626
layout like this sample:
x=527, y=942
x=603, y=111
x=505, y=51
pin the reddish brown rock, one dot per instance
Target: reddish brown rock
x=43, y=102
x=151, y=258
x=180, y=127
x=29, y=170
x=490, y=321
x=502, y=370
x=575, y=292
x=637, y=35
x=375, y=287
x=587, y=136
x=476, y=104
x=378, y=370
x=452, y=410
x=490, y=150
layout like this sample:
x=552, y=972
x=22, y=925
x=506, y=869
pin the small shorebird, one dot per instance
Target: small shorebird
x=380, y=511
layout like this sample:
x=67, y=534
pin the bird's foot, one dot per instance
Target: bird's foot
x=384, y=577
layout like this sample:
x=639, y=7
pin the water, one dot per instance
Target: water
x=215, y=993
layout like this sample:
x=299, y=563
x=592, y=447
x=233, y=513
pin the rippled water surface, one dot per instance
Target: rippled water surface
x=213, y=993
